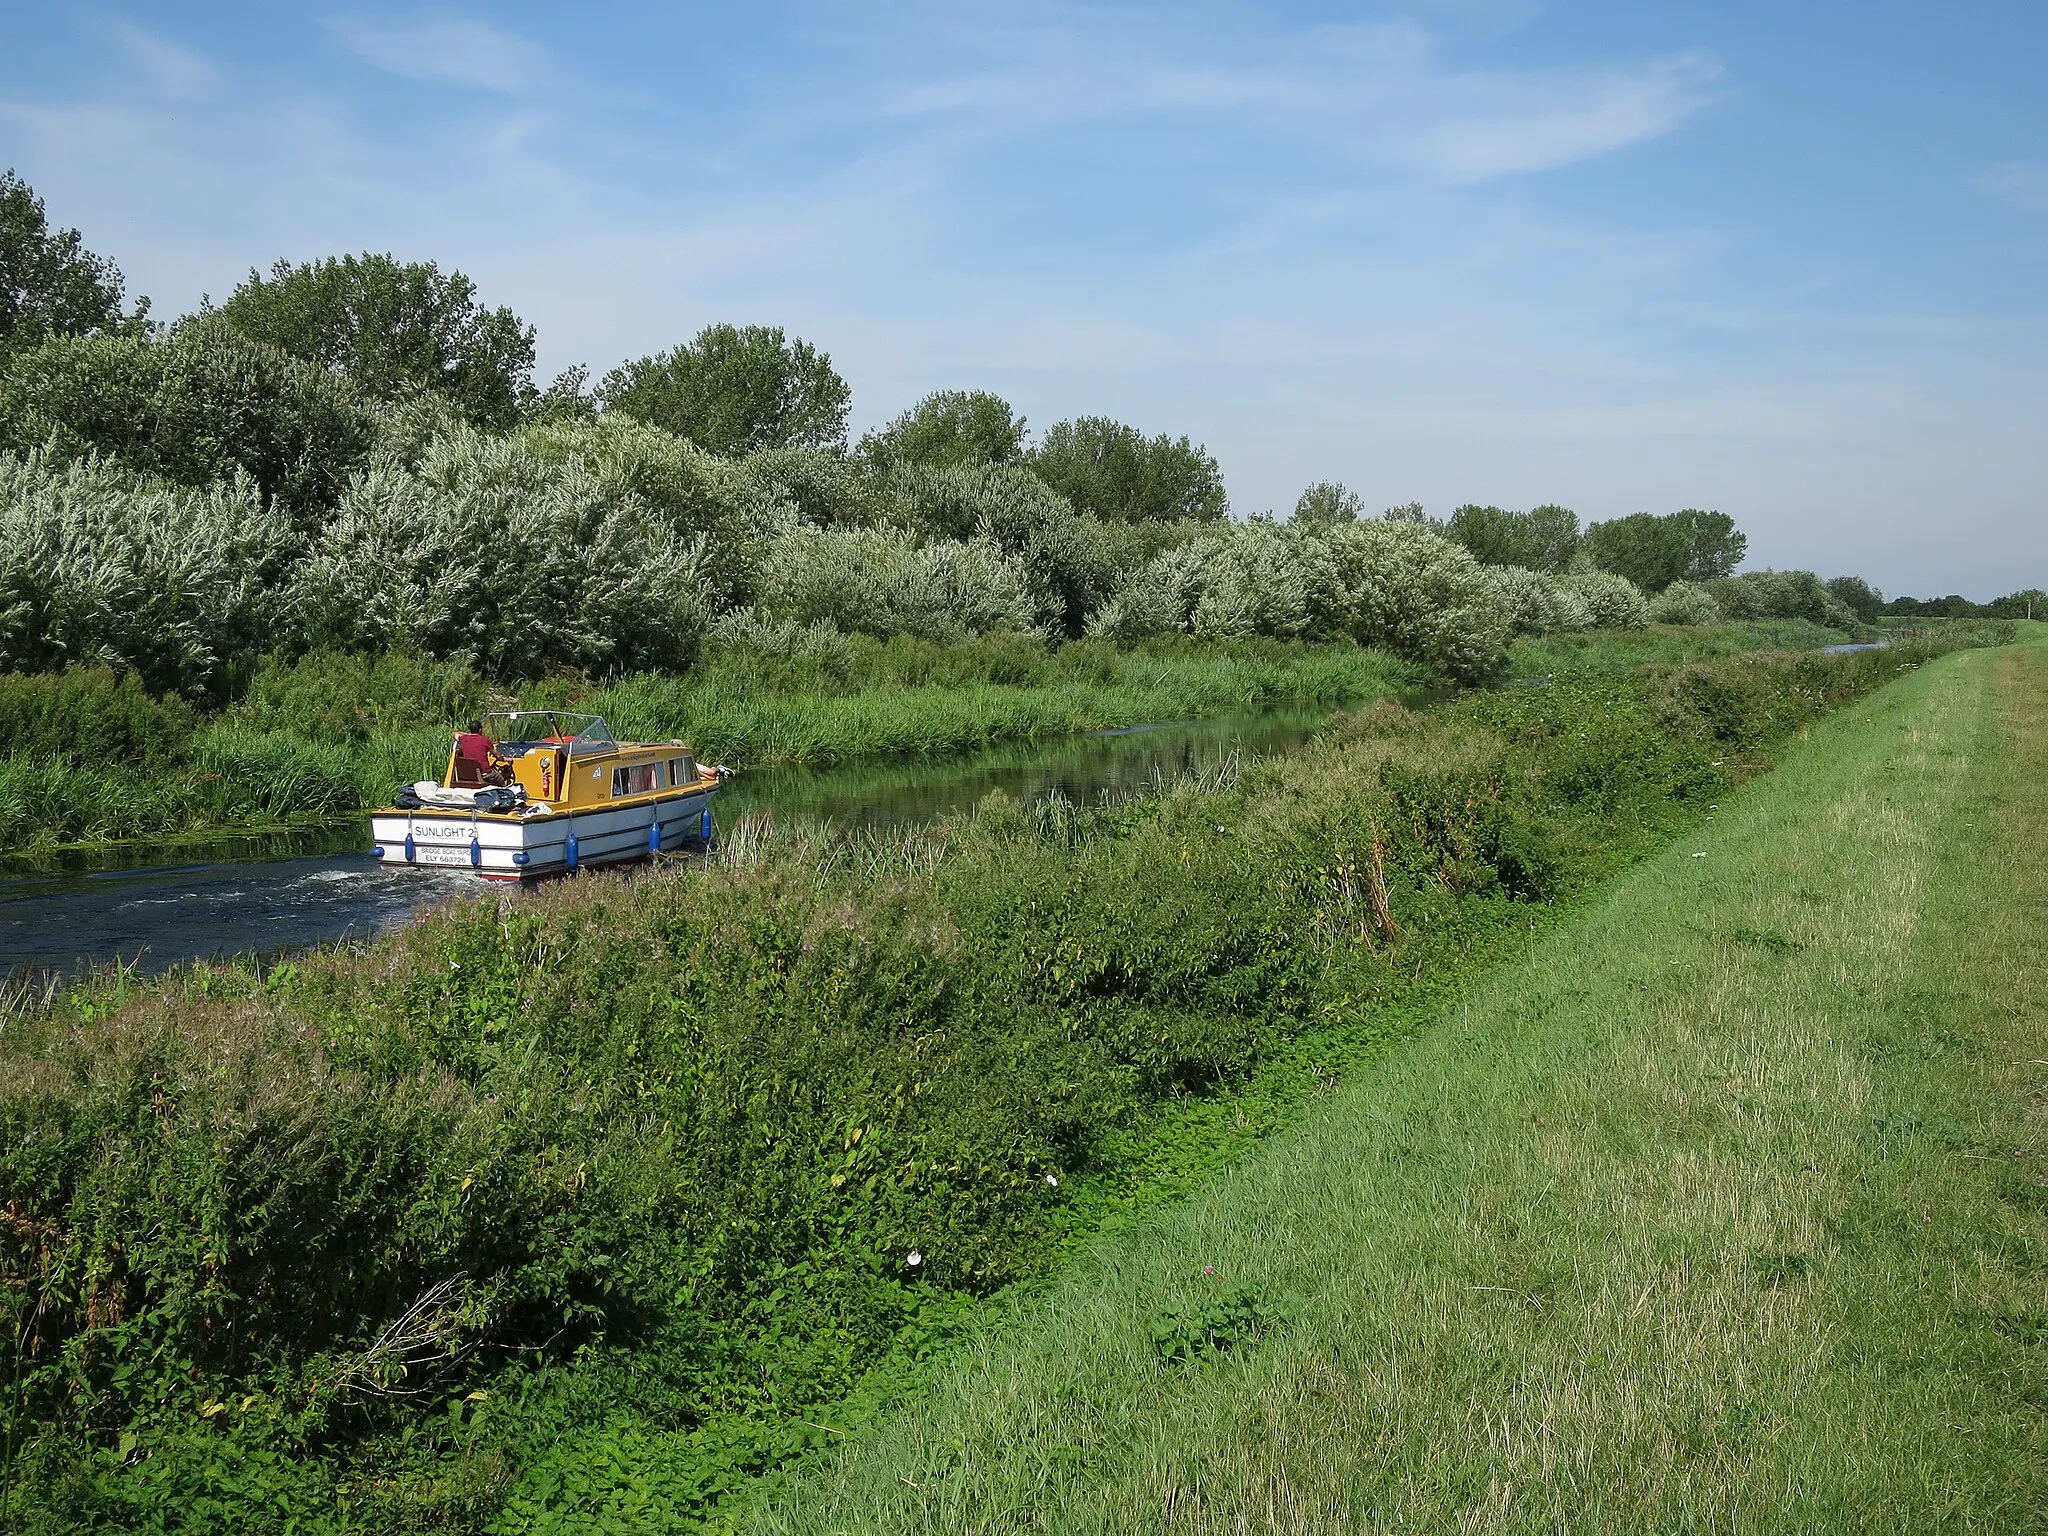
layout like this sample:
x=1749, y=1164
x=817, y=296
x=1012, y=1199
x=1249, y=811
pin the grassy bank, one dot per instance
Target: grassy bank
x=1721, y=1211
x=97, y=761
x=1572, y=654
x=615, y=1204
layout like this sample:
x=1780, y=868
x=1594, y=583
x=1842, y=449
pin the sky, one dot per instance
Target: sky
x=1785, y=262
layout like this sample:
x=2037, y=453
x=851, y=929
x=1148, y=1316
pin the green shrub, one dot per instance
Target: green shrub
x=333, y=696
x=90, y=715
x=1390, y=584
x=880, y=581
x=1685, y=602
x=1614, y=601
x=100, y=568
x=1537, y=603
x=502, y=555
x=206, y=405
x=1781, y=595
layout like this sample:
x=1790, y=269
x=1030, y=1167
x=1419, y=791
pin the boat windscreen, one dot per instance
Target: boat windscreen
x=595, y=734
x=527, y=727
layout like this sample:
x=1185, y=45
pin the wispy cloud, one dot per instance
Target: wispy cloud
x=1501, y=125
x=170, y=67
x=1377, y=93
x=460, y=52
x=2020, y=184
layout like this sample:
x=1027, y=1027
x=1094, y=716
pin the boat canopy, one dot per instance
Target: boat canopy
x=522, y=730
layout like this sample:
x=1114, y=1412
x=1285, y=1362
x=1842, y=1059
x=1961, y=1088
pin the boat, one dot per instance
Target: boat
x=553, y=793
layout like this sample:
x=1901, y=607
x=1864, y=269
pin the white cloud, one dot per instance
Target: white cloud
x=461, y=52
x=1302, y=249
x=1499, y=125
x=2020, y=184
x=172, y=68
x=1377, y=94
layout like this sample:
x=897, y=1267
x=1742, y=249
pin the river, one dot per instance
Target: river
x=273, y=894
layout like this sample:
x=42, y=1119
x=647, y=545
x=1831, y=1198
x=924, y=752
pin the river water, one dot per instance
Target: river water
x=267, y=895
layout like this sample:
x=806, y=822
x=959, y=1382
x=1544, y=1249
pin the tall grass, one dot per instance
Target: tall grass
x=610, y=1197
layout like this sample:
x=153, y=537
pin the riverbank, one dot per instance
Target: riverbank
x=269, y=896
x=629, y=1195
x=1717, y=1211
x=94, y=763
x=332, y=736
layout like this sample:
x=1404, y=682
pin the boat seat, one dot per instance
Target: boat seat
x=469, y=774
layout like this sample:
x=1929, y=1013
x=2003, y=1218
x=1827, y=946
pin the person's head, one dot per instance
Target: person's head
x=476, y=726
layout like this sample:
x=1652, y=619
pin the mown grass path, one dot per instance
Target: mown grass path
x=1725, y=1210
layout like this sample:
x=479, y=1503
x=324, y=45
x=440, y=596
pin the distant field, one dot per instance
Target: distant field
x=1722, y=1211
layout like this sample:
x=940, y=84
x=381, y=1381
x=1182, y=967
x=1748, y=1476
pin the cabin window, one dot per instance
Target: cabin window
x=681, y=772
x=635, y=779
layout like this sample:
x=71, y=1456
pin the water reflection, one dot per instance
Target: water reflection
x=1114, y=765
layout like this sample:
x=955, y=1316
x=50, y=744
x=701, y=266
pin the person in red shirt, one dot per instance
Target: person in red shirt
x=475, y=746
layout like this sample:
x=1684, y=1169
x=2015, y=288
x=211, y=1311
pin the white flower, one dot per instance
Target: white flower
x=914, y=1259
x=1055, y=1183
x=1699, y=855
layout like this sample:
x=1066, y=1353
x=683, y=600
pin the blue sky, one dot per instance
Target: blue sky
x=1783, y=261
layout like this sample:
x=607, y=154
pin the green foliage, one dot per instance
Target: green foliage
x=950, y=427
x=1236, y=1318
x=1781, y=595
x=1614, y=601
x=1394, y=585
x=2029, y=603
x=823, y=488
x=1116, y=473
x=1950, y=631
x=720, y=510
x=1685, y=602
x=1542, y=539
x=590, y=1178
x=50, y=284
x=1063, y=557
x=1610, y=650
x=881, y=581
x=90, y=714
x=1858, y=596
x=203, y=406
x=1535, y=603
x=1328, y=502
x=735, y=390
x=512, y=558
x=1653, y=551
x=97, y=568
x=394, y=328
x=332, y=696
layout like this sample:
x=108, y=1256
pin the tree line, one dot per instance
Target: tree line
x=356, y=452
